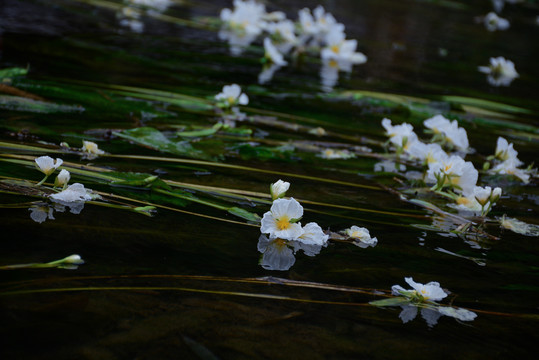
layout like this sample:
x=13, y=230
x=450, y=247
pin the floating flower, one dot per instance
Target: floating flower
x=246, y=18
x=338, y=48
x=510, y=167
x=129, y=17
x=232, y=95
x=74, y=193
x=493, y=22
x=501, y=72
x=453, y=172
x=401, y=135
x=91, y=148
x=389, y=166
x=332, y=154
x=62, y=179
x=279, y=189
x=449, y=131
x=427, y=153
x=361, y=236
x=313, y=235
x=282, y=220
x=283, y=35
x=47, y=165
x=506, y=152
x=272, y=54
x=428, y=292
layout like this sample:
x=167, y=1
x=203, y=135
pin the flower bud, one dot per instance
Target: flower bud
x=278, y=189
x=62, y=179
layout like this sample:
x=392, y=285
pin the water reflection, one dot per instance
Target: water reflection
x=409, y=312
x=42, y=212
x=278, y=254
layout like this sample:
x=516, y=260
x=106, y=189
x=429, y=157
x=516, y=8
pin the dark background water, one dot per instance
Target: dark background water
x=76, y=41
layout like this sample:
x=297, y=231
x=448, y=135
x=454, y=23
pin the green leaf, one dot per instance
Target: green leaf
x=396, y=301
x=17, y=103
x=156, y=140
x=12, y=72
x=244, y=214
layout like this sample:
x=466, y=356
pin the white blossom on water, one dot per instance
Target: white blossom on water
x=450, y=131
x=493, y=22
x=500, y=72
x=402, y=136
x=232, y=95
x=361, y=236
x=282, y=220
x=430, y=291
x=453, y=172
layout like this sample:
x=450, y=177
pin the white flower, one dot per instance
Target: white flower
x=453, y=172
x=282, y=220
x=482, y=194
x=232, y=95
x=400, y=135
x=450, y=131
x=246, y=18
x=283, y=34
x=91, y=147
x=324, y=21
x=307, y=23
x=332, y=154
x=74, y=193
x=493, y=22
x=279, y=189
x=506, y=152
x=430, y=291
x=362, y=236
x=510, y=167
x=338, y=48
x=389, y=166
x=501, y=72
x=63, y=178
x=47, y=165
x=427, y=153
x=313, y=235
x=272, y=54
x=73, y=259
x=458, y=313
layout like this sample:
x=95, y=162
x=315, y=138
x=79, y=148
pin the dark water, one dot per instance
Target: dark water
x=174, y=286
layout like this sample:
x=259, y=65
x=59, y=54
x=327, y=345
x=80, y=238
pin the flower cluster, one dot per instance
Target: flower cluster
x=72, y=196
x=284, y=230
x=449, y=171
x=317, y=31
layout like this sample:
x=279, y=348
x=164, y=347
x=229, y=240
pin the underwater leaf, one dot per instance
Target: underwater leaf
x=396, y=301
x=17, y=103
x=244, y=214
x=250, y=151
x=520, y=227
x=12, y=72
x=156, y=140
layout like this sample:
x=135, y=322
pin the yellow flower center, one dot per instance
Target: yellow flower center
x=335, y=49
x=231, y=100
x=283, y=223
x=333, y=64
x=463, y=201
